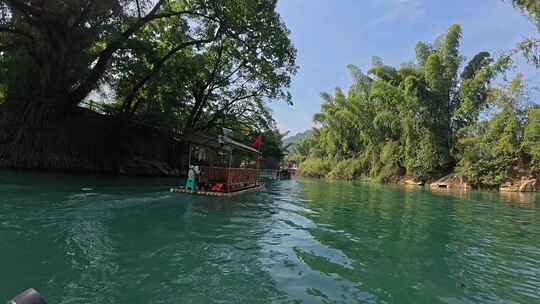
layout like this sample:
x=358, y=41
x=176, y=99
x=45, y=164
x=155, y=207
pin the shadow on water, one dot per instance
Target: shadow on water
x=123, y=240
x=127, y=240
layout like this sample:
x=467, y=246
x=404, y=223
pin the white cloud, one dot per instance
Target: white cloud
x=392, y=11
x=404, y=9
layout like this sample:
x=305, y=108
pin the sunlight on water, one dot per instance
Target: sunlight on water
x=125, y=240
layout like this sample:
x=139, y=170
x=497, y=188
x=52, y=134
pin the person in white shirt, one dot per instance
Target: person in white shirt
x=193, y=174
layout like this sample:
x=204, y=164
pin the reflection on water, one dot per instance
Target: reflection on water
x=105, y=240
x=530, y=200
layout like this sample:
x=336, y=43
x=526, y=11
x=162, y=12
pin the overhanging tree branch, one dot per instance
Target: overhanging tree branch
x=228, y=106
x=24, y=9
x=208, y=88
x=127, y=105
x=19, y=6
x=103, y=59
x=4, y=29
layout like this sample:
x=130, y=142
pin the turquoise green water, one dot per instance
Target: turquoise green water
x=106, y=240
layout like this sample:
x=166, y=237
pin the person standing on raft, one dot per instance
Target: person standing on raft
x=192, y=181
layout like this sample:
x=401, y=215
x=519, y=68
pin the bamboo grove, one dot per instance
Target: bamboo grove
x=437, y=115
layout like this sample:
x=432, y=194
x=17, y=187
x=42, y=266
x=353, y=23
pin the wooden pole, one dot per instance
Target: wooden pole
x=189, y=155
x=229, y=171
x=189, y=159
x=257, y=173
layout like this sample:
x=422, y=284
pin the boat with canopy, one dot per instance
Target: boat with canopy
x=223, y=166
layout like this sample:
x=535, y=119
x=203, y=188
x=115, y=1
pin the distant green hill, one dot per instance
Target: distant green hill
x=297, y=137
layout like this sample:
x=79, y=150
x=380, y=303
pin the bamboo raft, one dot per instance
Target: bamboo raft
x=215, y=193
x=230, y=167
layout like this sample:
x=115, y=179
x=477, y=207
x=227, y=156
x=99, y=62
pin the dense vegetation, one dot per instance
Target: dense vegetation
x=175, y=66
x=426, y=119
x=292, y=140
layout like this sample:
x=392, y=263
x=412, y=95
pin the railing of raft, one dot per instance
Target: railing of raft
x=234, y=178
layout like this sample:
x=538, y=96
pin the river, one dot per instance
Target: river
x=80, y=239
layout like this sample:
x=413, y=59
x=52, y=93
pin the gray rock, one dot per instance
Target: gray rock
x=528, y=185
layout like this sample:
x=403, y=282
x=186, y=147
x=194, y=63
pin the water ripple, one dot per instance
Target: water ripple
x=99, y=240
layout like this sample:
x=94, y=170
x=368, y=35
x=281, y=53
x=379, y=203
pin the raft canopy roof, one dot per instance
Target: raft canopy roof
x=219, y=142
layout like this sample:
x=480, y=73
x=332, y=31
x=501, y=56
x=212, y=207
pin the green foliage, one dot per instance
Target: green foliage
x=347, y=169
x=532, y=7
x=422, y=119
x=423, y=51
x=272, y=146
x=474, y=90
x=476, y=64
x=494, y=151
x=408, y=111
x=531, y=138
x=316, y=167
x=435, y=74
x=391, y=161
x=293, y=140
x=450, y=55
x=224, y=83
x=302, y=148
x=530, y=47
x=50, y=45
x=182, y=66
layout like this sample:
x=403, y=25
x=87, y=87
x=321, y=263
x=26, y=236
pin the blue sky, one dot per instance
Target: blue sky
x=330, y=34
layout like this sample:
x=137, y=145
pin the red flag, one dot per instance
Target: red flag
x=257, y=143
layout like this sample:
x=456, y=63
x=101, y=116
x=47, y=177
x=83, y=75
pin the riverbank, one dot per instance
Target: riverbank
x=352, y=169
x=86, y=142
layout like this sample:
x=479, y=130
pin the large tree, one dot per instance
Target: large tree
x=189, y=63
x=58, y=51
x=226, y=82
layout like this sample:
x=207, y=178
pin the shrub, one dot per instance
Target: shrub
x=391, y=159
x=346, y=169
x=316, y=167
x=531, y=138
